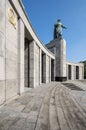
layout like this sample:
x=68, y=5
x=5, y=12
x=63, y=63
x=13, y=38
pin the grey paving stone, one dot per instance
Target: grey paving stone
x=49, y=107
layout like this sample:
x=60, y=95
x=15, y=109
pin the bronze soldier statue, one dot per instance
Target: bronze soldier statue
x=58, y=29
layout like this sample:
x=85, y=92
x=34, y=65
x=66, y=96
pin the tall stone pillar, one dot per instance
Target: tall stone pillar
x=62, y=59
x=72, y=76
x=40, y=64
x=58, y=47
x=49, y=69
x=67, y=71
x=83, y=72
x=32, y=64
x=74, y=72
x=46, y=68
x=21, y=55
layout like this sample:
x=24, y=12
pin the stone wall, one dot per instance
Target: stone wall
x=11, y=55
x=13, y=77
x=74, y=74
x=8, y=54
x=2, y=51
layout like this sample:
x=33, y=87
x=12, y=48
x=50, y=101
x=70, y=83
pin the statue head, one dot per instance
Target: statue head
x=59, y=20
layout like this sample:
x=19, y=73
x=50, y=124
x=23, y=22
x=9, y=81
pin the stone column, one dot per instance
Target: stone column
x=40, y=63
x=44, y=68
x=72, y=72
x=32, y=64
x=62, y=59
x=49, y=69
x=67, y=71
x=21, y=55
x=83, y=72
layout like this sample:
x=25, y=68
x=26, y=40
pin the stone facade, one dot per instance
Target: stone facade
x=20, y=52
x=24, y=60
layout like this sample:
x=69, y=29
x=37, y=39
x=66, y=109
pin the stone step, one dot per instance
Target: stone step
x=53, y=121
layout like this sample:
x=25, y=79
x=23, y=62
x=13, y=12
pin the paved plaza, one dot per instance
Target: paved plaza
x=53, y=106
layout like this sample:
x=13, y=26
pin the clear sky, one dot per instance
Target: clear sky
x=43, y=14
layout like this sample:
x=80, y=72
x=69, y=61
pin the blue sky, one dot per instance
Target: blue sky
x=43, y=14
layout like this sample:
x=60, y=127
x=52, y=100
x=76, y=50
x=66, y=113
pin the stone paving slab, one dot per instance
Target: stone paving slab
x=51, y=106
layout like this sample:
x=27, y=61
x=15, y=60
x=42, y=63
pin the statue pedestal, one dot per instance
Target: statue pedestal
x=58, y=47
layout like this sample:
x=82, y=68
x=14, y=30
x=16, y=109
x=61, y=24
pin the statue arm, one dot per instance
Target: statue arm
x=64, y=27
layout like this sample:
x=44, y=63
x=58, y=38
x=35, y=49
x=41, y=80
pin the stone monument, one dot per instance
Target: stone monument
x=58, y=47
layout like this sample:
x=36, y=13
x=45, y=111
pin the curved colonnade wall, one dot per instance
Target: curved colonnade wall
x=24, y=60
x=74, y=71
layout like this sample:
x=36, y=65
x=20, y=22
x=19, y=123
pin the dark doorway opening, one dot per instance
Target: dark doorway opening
x=52, y=70
x=77, y=72
x=43, y=67
x=26, y=63
x=69, y=72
